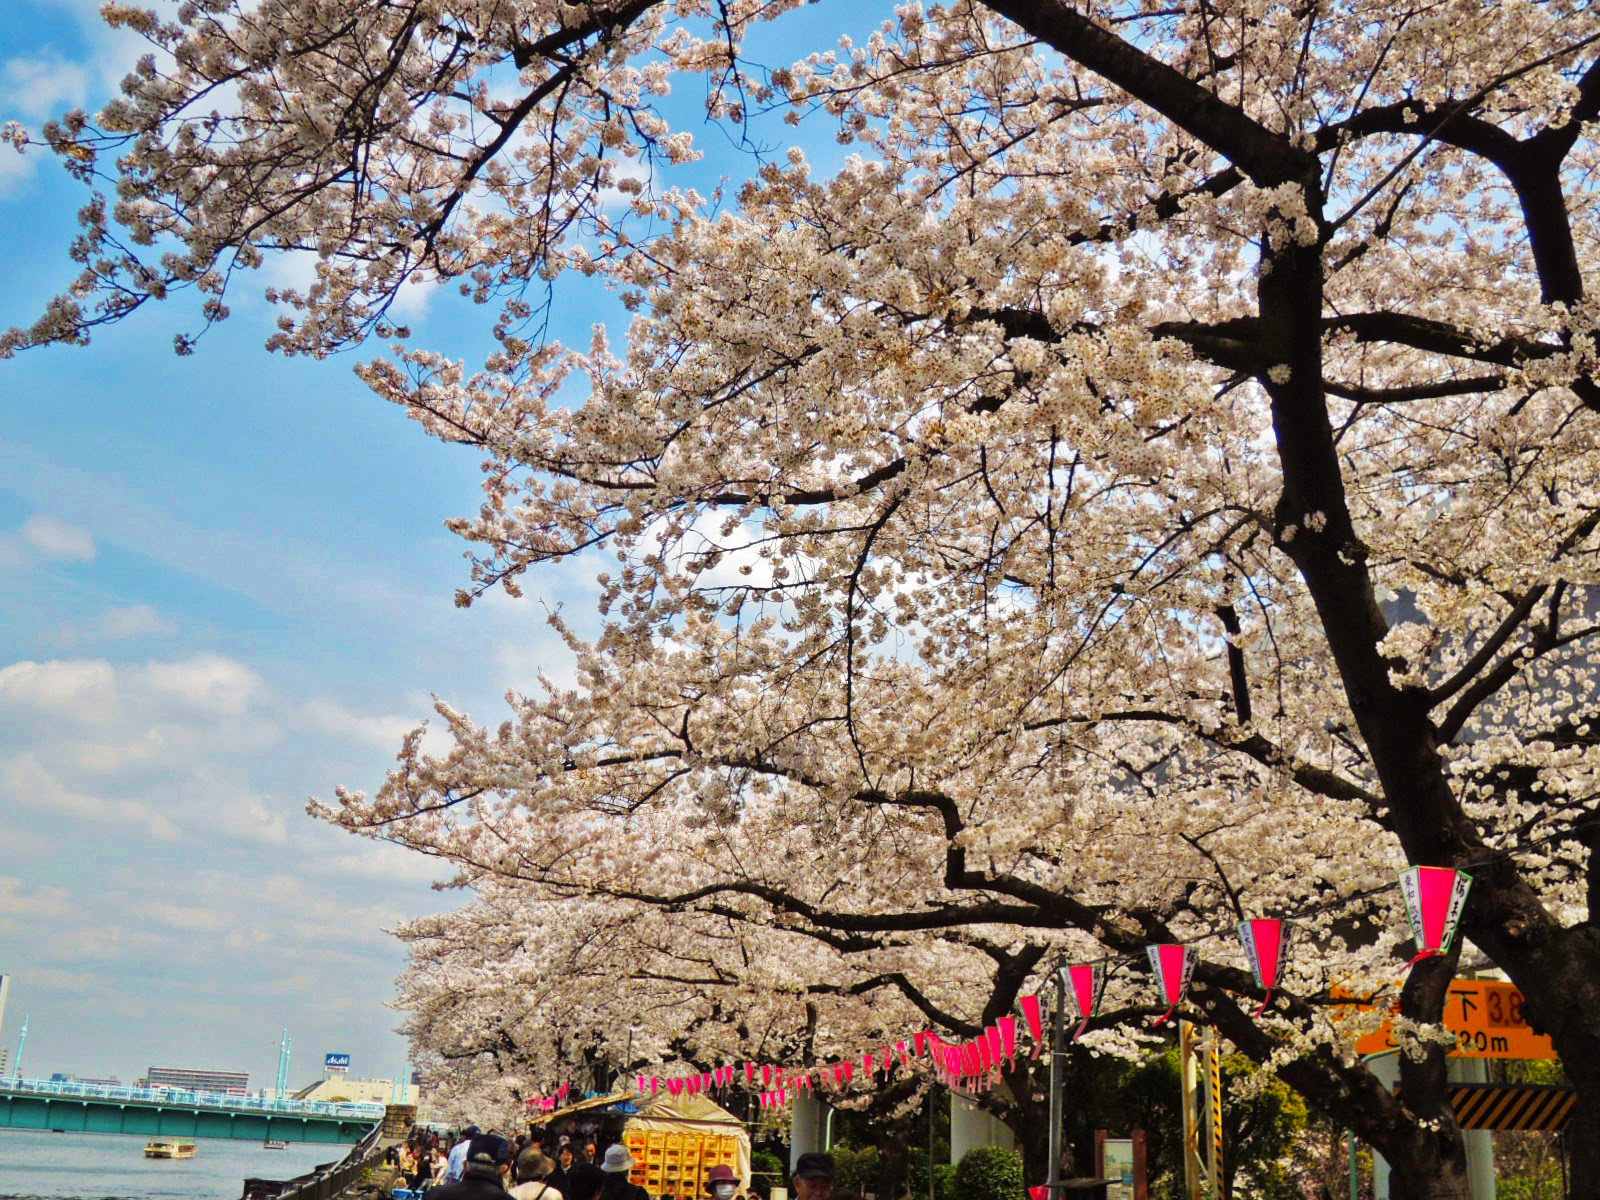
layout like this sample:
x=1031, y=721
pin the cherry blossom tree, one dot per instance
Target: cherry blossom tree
x=1153, y=479
x=516, y=993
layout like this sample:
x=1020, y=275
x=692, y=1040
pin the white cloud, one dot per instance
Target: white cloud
x=19, y=899
x=207, y=683
x=84, y=690
x=33, y=785
x=42, y=86
x=14, y=168
x=412, y=300
x=65, y=981
x=252, y=819
x=117, y=624
x=58, y=540
x=380, y=862
x=380, y=732
x=133, y=620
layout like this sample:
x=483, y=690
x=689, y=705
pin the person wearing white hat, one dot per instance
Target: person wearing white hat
x=616, y=1164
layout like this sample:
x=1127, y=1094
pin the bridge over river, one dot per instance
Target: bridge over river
x=165, y=1112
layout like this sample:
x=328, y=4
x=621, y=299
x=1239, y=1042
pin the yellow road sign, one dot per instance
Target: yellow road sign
x=1486, y=1017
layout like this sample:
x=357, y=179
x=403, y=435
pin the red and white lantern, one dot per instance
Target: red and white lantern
x=1008, y=1036
x=1035, y=1017
x=1266, y=944
x=1435, y=898
x=1173, y=965
x=1087, y=983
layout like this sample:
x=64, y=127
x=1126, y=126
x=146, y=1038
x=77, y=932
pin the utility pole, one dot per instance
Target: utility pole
x=1058, y=1036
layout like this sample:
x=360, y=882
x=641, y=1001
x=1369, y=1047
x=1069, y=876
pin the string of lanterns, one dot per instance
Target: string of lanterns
x=1435, y=898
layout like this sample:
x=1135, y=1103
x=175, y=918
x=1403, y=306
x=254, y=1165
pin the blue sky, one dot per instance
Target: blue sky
x=225, y=585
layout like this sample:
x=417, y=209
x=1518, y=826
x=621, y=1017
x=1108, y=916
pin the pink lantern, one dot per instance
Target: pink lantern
x=1008, y=1036
x=1435, y=898
x=1035, y=1018
x=1088, y=982
x=1266, y=944
x=1173, y=965
x=997, y=1045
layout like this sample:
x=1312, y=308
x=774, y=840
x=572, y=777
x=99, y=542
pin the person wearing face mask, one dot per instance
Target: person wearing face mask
x=722, y=1183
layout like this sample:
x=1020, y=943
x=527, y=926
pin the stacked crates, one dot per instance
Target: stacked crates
x=673, y=1166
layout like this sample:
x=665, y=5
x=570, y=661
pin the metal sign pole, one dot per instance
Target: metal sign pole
x=1058, y=1032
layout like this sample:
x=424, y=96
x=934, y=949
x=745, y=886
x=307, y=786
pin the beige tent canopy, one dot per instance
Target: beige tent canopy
x=676, y=1140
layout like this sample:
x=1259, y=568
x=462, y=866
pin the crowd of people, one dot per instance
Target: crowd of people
x=475, y=1165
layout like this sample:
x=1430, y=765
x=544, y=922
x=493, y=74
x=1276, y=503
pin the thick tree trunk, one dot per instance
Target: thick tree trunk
x=1428, y=1160
x=893, y=1160
x=1583, y=1141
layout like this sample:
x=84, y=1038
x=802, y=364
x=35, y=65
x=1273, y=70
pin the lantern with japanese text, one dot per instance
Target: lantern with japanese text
x=1435, y=898
x=1173, y=965
x=1266, y=948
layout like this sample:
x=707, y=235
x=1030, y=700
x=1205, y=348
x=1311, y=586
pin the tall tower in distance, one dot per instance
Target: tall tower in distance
x=5, y=1050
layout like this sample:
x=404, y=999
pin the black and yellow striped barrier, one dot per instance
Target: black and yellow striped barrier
x=1504, y=1106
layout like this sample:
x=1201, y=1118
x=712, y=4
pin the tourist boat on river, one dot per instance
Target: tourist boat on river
x=274, y=1144
x=169, y=1148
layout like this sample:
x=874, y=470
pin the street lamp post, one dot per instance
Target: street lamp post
x=21, y=1042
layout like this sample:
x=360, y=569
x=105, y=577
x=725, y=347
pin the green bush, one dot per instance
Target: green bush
x=989, y=1173
x=766, y=1169
x=856, y=1169
x=944, y=1181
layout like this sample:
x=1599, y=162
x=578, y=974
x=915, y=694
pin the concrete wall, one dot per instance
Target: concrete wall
x=971, y=1127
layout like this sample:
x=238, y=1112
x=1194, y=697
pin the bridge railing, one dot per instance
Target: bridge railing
x=100, y=1091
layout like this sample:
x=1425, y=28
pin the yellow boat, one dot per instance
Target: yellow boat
x=169, y=1148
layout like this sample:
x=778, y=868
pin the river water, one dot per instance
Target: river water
x=112, y=1166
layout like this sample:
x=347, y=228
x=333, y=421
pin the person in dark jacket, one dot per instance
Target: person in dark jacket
x=616, y=1163
x=562, y=1175
x=584, y=1182
x=483, y=1170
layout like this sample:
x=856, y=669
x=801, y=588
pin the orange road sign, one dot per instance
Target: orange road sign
x=1486, y=1017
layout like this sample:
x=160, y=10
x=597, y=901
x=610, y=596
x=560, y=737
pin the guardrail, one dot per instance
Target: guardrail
x=324, y=1182
x=99, y=1091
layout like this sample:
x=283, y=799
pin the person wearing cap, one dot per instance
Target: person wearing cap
x=721, y=1182
x=616, y=1164
x=483, y=1168
x=813, y=1177
x=457, y=1158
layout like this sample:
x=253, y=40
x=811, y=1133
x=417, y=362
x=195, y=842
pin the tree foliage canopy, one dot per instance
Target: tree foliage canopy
x=1152, y=481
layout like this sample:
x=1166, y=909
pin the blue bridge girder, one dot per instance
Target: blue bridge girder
x=98, y=1108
